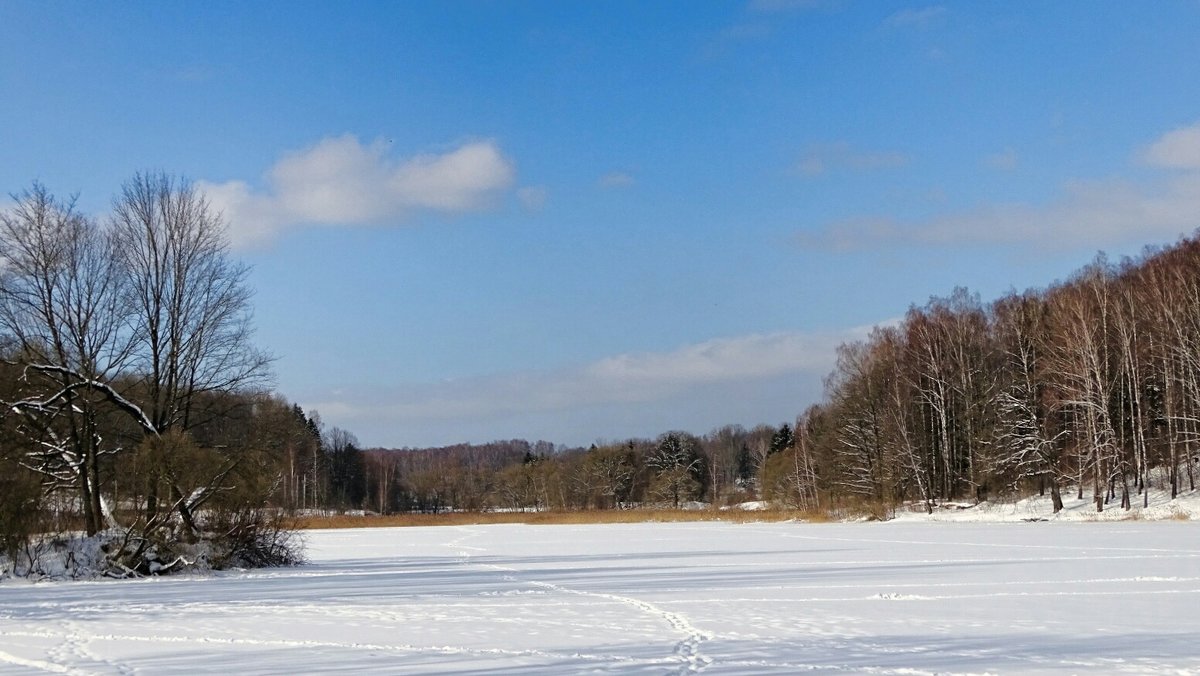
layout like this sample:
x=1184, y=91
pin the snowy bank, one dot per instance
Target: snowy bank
x=1039, y=508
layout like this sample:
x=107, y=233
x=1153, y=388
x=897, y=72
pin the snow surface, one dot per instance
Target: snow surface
x=662, y=598
x=1160, y=506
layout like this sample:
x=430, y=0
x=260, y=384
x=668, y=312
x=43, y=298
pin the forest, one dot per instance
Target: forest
x=136, y=406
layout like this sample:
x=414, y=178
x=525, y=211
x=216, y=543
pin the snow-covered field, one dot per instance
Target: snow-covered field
x=883, y=598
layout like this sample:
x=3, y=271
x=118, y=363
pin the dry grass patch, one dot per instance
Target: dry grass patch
x=556, y=518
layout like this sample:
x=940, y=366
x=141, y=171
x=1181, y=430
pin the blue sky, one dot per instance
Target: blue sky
x=580, y=221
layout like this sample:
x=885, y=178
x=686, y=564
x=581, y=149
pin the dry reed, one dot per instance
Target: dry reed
x=555, y=518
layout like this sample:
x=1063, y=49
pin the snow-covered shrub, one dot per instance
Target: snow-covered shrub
x=252, y=538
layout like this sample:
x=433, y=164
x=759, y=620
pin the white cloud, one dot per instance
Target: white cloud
x=252, y=219
x=341, y=181
x=616, y=179
x=1178, y=149
x=1088, y=214
x=821, y=158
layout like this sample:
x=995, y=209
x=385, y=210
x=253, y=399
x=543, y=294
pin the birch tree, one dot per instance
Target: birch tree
x=1080, y=369
x=1029, y=444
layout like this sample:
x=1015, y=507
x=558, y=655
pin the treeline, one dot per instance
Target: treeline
x=1092, y=383
x=722, y=467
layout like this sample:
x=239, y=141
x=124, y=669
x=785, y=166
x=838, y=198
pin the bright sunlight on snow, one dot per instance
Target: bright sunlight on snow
x=883, y=598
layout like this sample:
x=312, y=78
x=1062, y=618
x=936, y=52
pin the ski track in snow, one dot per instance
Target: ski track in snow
x=212, y=640
x=688, y=649
x=39, y=665
x=888, y=599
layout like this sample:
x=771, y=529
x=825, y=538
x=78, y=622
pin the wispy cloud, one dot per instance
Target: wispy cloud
x=919, y=18
x=533, y=197
x=771, y=6
x=1087, y=213
x=616, y=179
x=195, y=74
x=1005, y=160
x=732, y=37
x=744, y=32
x=760, y=24
x=342, y=181
x=821, y=158
x=753, y=356
x=635, y=378
x=1178, y=149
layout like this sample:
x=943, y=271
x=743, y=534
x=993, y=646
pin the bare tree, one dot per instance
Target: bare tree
x=678, y=467
x=1082, y=372
x=190, y=300
x=61, y=305
x=727, y=455
x=609, y=472
x=857, y=400
x=1031, y=448
x=135, y=336
x=190, y=317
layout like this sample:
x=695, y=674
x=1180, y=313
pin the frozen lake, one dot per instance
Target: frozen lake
x=891, y=598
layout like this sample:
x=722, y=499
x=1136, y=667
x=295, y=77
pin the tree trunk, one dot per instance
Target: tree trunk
x=85, y=499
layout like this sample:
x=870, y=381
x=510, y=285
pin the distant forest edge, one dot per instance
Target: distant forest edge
x=136, y=408
x=1091, y=385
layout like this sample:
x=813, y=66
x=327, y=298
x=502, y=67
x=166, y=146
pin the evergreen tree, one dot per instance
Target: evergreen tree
x=782, y=440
